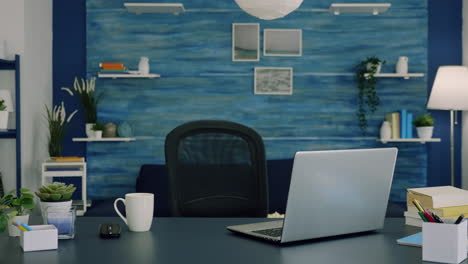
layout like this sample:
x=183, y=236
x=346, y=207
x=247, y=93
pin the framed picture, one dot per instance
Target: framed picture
x=273, y=80
x=282, y=42
x=245, y=42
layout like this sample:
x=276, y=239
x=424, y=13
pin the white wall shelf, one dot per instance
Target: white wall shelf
x=116, y=76
x=115, y=139
x=140, y=8
x=409, y=140
x=375, y=9
x=405, y=76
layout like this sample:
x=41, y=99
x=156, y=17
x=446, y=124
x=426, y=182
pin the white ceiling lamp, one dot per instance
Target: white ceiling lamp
x=269, y=9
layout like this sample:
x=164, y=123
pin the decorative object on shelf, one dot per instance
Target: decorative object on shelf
x=89, y=101
x=125, y=130
x=63, y=219
x=385, y=131
x=98, y=128
x=3, y=49
x=448, y=94
x=110, y=130
x=143, y=66
x=89, y=130
x=273, y=80
x=245, y=42
x=373, y=8
x=424, y=126
x=57, y=195
x=269, y=9
x=367, y=95
x=6, y=106
x=402, y=65
x=15, y=209
x=282, y=42
x=57, y=122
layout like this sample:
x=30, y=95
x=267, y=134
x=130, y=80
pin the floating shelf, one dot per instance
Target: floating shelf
x=7, y=64
x=399, y=75
x=116, y=76
x=375, y=9
x=140, y=8
x=116, y=139
x=408, y=140
x=10, y=133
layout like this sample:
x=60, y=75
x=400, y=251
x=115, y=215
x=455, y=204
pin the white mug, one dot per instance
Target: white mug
x=139, y=208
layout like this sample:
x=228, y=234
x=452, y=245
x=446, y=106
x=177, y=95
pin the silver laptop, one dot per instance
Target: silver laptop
x=332, y=193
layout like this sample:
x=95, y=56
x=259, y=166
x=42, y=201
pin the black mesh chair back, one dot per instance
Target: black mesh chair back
x=216, y=169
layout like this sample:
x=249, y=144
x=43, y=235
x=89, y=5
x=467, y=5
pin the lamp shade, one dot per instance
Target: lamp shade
x=269, y=9
x=450, y=89
x=6, y=96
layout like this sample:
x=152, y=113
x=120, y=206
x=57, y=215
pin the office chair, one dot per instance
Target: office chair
x=216, y=169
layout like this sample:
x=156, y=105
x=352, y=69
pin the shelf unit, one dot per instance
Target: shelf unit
x=140, y=8
x=116, y=76
x=14, y=65
x=405, y=76
x=375, y=9
x=409, y=140
x=115, y=139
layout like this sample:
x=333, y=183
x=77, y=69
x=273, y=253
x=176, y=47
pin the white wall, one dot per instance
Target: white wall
x=27, y=27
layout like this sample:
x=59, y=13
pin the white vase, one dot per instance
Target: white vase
x=385, y=131
x=98, y=134
x=89, y=130
x=143, y=66
x=425, y=132
x=402, y=65
x=13, y=231
x=3, y=119
x=59, y=205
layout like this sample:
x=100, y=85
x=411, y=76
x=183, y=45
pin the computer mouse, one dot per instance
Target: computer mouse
x=109, y=230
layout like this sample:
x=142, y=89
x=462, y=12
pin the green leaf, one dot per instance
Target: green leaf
x=24, y=190
x=27, y=195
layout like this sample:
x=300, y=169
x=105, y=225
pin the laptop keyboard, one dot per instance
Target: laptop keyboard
x=273, y=232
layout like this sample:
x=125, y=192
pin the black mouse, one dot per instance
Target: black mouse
x=109, y=230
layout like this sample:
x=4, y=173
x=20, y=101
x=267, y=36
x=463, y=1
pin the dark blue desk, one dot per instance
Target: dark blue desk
x=205, y=240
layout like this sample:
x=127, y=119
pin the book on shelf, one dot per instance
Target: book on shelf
x=67, y=159
x=111, y=66
x=409, y=119
x=403, y=123
x=394, y=120
x=63, y=169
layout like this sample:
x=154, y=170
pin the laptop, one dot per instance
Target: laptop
x=332, y=193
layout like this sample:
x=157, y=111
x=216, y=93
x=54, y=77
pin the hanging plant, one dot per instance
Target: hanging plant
x=367, y=95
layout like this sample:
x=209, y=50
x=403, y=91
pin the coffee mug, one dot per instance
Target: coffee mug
x=139, y=208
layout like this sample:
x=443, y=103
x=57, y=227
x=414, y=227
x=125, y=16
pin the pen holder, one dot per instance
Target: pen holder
x=41, y=237
x=445, y=243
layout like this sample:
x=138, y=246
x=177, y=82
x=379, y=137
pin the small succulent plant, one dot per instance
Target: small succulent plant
x=56, y=192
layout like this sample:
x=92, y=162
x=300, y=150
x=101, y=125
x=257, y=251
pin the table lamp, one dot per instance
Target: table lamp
x=6, y=97
x=450, y=92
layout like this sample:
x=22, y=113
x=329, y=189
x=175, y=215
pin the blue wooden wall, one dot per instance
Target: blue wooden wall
x=192, y=52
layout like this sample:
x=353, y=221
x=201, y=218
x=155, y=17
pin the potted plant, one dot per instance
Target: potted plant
x=89, y=101
x=57, y=122
x=367, y=94
x=424, y=126
x=98, y=128
x=15, y=209
x=57, y=194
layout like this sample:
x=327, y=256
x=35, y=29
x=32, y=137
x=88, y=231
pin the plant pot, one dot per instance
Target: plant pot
x=89, y=130
x=98, y=134
x=13, y=231
x=3, y=119
x=425, y=132
x=59, y=205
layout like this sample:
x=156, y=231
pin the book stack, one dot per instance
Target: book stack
x=401, y=123
x=112, y=68
x=445, y=201
x=67, y=159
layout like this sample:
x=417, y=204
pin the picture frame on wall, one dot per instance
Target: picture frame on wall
x=245, y=42
x=282, y=42
x=273, y=80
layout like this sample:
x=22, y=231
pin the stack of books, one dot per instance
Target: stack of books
x=112, y=68
x=67, y=159
x=401, y=123
x=445, y=201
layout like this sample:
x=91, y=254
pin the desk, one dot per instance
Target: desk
x=205, y=240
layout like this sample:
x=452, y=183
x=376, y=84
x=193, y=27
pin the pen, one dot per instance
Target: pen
x=422, y=216
x=418, y=206
x=429, y=217
x=459, y=219
x=19, y=227
x=26, y=226
x=437, y=218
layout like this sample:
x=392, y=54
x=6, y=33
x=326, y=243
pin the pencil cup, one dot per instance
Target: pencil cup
x=445, y=243
x=41, y=237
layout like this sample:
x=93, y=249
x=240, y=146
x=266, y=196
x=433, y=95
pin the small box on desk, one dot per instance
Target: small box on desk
x=42, y=237
x=445, y=243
